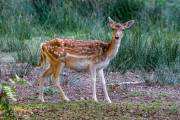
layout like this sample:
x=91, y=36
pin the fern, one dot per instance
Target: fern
x=7, y=93
x=10, y=92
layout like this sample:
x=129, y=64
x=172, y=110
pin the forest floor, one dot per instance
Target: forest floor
x=132, y=101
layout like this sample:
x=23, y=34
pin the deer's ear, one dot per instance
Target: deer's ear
x=128, y=24
x=111, y=22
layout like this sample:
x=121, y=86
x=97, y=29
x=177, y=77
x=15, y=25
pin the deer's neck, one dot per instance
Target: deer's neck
x=113, y=47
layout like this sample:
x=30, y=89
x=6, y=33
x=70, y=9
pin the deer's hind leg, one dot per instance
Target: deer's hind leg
x=93, y=77
x=46, y=73
x=57, y=69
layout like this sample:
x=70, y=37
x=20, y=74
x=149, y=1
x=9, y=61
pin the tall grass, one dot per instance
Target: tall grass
x=152, y=44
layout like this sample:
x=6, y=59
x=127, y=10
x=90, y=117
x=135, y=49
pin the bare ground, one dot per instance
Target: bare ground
x=77, y=86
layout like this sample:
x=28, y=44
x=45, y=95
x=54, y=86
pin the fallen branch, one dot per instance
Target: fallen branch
x=126, y=83
x=123, y=85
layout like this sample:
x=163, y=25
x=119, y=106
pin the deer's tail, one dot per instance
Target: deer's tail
x=42, y=57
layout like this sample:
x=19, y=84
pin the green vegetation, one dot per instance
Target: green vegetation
x=89, y=110
x=50, y=91
x=152, y=44
x=7, y=93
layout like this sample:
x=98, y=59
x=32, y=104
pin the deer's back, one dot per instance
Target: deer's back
x=60, y=47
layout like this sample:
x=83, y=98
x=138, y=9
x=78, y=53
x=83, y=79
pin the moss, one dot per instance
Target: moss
x=136, y=93
x=91, y=110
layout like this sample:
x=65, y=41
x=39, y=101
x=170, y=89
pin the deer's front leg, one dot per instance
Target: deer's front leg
x=101, y=75
x=93, y=76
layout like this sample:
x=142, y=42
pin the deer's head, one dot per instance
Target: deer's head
x=118, y=28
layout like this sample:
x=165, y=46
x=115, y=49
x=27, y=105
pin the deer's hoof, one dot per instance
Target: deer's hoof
x=95, y=99
x=41, y=99
x=109, y=101
x=66, y=99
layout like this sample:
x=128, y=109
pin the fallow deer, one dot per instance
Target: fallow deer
x=92, y=56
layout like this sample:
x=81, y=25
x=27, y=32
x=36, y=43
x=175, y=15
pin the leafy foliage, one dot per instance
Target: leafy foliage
x=7, y=93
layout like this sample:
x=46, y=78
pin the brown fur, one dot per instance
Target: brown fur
x=57, y=49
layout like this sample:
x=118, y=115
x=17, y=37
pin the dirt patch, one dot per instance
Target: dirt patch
x=77, y=86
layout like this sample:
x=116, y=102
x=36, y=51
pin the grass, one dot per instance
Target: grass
x=136, y=94
x=92, y=110
x=152, y=44
x=50, y=91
